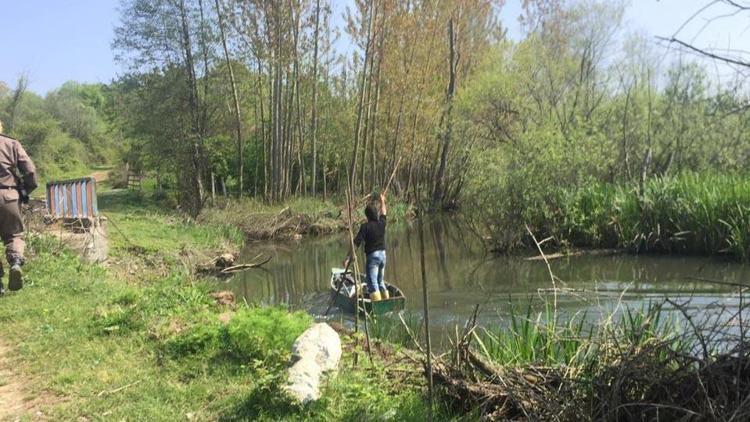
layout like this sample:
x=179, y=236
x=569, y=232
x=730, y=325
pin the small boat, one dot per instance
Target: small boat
x=343, y=289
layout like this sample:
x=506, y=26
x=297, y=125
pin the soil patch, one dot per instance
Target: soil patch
x=15, y=401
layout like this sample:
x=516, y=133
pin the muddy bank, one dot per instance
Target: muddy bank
x=293, y=220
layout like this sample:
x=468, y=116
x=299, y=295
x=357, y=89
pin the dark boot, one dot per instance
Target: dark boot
x=15, y=280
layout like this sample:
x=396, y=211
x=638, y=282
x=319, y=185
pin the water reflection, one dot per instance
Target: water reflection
x=462, y=274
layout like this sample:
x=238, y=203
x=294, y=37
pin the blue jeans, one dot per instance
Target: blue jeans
x=375, y=268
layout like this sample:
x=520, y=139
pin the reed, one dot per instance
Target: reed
x=689, y=213
x=540, y=338
x=633, y=364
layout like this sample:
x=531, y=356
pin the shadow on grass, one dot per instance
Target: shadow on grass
x=266, y=402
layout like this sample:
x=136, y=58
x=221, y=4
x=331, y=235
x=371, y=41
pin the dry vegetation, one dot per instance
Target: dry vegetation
x=632, y=369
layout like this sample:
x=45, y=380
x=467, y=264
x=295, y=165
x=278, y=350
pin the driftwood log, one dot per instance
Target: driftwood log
x=225, y=265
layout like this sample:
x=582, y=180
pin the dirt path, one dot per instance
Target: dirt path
x=12, y=402
x=17, y=402
x=100, y=175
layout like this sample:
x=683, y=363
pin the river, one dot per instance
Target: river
x=462, y=274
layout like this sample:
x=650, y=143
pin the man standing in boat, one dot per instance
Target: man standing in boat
x=372, y=233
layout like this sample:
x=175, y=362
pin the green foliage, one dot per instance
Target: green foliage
x=616, y=153
x=690, y=213
x=390, y=329
x=257, y=333
x=199, y=339
x=547, y=338
x=693, y=213
x=510, y=187
x=66, y=132
x=538, y=339
x=252, y=334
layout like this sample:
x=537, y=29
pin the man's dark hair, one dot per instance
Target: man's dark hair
x=371, y=212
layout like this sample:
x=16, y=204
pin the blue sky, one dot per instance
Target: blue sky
x=52, y=41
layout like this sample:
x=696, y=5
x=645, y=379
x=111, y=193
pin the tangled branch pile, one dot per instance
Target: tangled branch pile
x=631, y=369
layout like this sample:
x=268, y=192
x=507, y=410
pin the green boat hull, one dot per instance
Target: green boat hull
x=380, y=307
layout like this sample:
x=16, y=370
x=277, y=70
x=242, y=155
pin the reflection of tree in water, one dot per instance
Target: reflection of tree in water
x=438, y=234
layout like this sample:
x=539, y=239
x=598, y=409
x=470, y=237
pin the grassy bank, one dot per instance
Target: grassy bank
x=690, y=213
x=142, y=338
x=297, y=217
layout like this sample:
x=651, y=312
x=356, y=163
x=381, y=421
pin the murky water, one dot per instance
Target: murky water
x=461, y=274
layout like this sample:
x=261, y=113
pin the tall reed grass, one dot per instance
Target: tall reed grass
x=690, y=213
x=579, y=342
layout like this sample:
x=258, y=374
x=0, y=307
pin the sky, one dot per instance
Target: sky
x=53, y=41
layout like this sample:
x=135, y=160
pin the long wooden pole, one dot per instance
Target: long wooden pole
x=390, y=179
x=385, y=190
x=357, y=286
x=425, y=305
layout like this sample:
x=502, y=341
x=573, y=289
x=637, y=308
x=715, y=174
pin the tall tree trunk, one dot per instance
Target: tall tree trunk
x=314, y=118
x=193, y=200
x=360, y=105
x=437, y=196
x=235, y=97
x=276, y=142
x=289, y=134
x=301, y=183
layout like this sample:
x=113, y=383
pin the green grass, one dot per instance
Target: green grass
x=81, y=335
x=690, y=213
x=544, y=338
x=138, y=221
x=104, y=343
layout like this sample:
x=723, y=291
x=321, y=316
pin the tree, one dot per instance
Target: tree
x=173, y=35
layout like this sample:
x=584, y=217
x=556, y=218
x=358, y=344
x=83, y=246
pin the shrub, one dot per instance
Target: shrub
x=258, y=333
x=261, y=334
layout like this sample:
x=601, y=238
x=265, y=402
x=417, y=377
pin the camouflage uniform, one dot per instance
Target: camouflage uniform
x=14, y=161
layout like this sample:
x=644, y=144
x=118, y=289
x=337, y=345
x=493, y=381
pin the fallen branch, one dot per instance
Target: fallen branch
x=223, y=266
x=593, y=252
x=245, y=267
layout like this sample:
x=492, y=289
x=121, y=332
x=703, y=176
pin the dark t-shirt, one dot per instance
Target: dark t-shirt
x=373, y=234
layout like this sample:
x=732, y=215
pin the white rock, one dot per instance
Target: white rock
x=316, y=351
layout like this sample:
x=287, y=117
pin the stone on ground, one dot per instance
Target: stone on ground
x=316, y=351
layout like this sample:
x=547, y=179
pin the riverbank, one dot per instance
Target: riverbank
x=142, y=337
x=689, y=213
x=295, y=218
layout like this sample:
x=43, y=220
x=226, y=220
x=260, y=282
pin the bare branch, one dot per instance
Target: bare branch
x=705, y=53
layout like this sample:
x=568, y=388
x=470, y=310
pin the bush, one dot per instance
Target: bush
x=259, y=333
x=252, y=334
